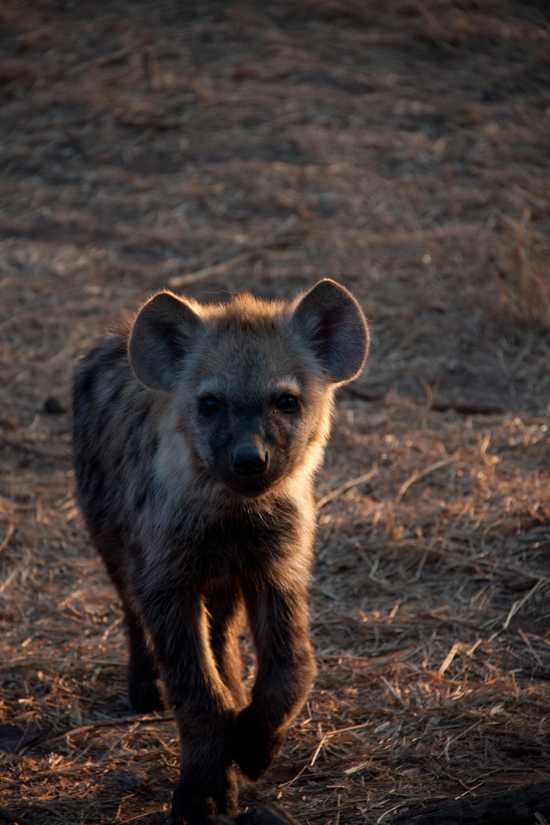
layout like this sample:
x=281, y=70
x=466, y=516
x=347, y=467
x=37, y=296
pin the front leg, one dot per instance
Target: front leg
x=204, y=707
x=279, y=618
x=224, y=605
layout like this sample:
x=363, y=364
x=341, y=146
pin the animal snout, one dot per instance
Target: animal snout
x=250, y=459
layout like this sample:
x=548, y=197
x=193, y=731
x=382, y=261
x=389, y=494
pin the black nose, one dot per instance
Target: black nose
x=250, y=460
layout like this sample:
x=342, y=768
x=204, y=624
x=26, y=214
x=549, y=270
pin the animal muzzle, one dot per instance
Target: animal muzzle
x=250, y=459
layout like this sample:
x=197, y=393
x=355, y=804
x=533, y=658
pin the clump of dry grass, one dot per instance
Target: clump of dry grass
x=525, y=273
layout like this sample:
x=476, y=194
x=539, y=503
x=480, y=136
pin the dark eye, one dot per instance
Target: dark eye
x=209, y=405
x=287, y=403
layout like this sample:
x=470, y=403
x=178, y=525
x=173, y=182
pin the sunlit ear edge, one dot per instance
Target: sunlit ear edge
x=159, y=339
x=308, y=312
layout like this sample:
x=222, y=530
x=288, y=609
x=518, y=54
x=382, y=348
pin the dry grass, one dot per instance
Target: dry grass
x=402, y=147
x=525, y=274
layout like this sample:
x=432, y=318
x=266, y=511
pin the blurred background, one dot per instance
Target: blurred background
x=213, y=147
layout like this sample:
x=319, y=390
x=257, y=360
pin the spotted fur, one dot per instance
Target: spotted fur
x=192, y=545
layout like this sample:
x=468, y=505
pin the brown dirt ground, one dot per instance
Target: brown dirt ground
x=402, y=147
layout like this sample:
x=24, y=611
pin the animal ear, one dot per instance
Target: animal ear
x=160, y=338
x=333, y=323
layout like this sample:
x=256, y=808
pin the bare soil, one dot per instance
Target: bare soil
x=402, y=147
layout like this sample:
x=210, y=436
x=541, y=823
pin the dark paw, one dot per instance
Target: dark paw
x=266, y=815
x=144, y=696
x=197, y=800
x=256, y=816
x=254, y=746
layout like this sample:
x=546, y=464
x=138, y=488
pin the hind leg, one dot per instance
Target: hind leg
x=143, y=692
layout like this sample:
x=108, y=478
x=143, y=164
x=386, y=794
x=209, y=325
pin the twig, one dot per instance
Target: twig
x=295, y=778
x=457, y=647
x=434, y=29
x=330, y=735
x=463, y=407
x=142, y=815
x=339, y=803
x=413, y=236
x=348, y=485
x=520, y=806
x=396, y=695
x=364, y=395
x=22, y=317
x=466, y=407
x=222, y=267
x=525, y=639
x=452, y=739
x=25, y=448
x=102, y=723
x=372, y=661
x=106, y=60
x=520, y=603
x=10, y=533
x=418, y=475
x=397, y=807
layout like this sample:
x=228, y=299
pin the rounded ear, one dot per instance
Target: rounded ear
x=333, y=323
x=160, y=338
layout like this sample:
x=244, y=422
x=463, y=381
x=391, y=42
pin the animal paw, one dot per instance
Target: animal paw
x=144, y=696
x=255, y=746
x=196, y=799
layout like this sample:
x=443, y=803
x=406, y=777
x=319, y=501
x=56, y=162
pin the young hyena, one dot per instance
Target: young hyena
x=196, y=440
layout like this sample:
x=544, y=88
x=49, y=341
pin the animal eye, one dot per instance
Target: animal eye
x=209, y=405
x=287, y=403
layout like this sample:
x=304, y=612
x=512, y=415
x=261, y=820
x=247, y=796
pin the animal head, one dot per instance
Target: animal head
x=252, y=381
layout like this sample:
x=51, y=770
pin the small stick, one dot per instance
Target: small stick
x=10, y=533
x=221, y=268
x=519, y=604
x=330, y=735
x=142, y=815
x=463, y=407
x=520, y=806
x=452, y=739
x=103, y=723
x=347, y=485
x=177, y=281
x=420, y=474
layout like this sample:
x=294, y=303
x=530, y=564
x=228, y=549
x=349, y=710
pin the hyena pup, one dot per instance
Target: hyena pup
x=197, y=435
